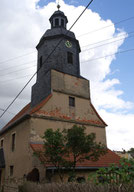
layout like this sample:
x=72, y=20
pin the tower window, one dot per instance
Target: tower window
x=56, y=22
x=40, y=61
x=70, y=57
x=13, y=141
x=62, y=22
x=11, y=170
x=72, y=101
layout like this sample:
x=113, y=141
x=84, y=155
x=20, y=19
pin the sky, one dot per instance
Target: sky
x=106, y=36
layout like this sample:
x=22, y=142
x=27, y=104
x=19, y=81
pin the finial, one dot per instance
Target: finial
x=58, y=6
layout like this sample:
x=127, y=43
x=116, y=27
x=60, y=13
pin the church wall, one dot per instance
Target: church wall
x=39, y=126
x=22, y=157
x=58, y=107
x=57, y=113
x=68, y=84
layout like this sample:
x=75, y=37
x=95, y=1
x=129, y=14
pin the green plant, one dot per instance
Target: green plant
x=82, y=146
x=119, y=175
x=63, y=149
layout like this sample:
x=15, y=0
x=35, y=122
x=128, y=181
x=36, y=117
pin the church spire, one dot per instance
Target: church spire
x=58, y=5
x=58, y=19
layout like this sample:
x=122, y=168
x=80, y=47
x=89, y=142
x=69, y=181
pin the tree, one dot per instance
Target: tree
x=61, y=146
x=82, y=146
x=54, y=150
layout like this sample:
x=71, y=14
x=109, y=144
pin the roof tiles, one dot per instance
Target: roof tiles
x=104, y=161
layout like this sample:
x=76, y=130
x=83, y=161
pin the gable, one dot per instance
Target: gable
x=57, y=106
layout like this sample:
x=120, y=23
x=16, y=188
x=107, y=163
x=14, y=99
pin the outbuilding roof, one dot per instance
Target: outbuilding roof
x=104, y=161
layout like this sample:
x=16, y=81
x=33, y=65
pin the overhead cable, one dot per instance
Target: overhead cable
x=45, y=60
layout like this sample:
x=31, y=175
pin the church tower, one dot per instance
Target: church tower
x=58, y=49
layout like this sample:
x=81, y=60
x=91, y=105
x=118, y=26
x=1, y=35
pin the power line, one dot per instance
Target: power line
x=1, y=109
x=45, y=60
x=8, y=60
x=5, y=69
x=17, y=71
x=106, y=44
x=107, y=26
x=11, y=59
x=13, y=79
x=82, y=51
x=108, y=39
x=127, y=50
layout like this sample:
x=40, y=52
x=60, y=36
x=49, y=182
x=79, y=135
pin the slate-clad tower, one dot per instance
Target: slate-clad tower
x=58, y=49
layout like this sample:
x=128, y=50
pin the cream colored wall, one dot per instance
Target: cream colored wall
x=58, y=106
x=61, y=116
x=22, y=157
x=40, y=125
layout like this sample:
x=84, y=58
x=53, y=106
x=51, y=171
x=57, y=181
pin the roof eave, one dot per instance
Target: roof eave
x=24, y=117
x=79, y=168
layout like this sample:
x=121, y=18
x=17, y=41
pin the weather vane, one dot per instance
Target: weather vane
x=58, y=6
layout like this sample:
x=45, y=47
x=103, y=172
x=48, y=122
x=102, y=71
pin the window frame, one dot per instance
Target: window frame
x=11, y=170
x=13, y=141
x=70, y=57
x=71, y=101
x=57, y=22
x=62, y=23
x=1, y=142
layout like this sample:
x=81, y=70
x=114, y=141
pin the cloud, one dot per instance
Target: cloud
x=120, y=130
x=22, y=26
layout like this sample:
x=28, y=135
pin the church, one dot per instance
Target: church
x=60, y=98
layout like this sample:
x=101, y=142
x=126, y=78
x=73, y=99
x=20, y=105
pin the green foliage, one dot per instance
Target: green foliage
x=74, y=142
x=54, y=147
x=83, y=146
x=122, y=174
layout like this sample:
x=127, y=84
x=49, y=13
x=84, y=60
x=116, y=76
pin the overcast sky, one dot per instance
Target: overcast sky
x=100, y=34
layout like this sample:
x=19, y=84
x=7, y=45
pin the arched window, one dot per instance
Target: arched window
x=62, y=22
x=56, y=22
x=34, y=175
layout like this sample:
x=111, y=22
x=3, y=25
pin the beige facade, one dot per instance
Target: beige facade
x=55, y=112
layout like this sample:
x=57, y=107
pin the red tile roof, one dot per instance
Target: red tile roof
x=27, y=110
x=38, y=106
x=21, y=114
x=98, y=114
x=104, y=161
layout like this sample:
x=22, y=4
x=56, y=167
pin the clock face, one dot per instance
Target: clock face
x=68, y=44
